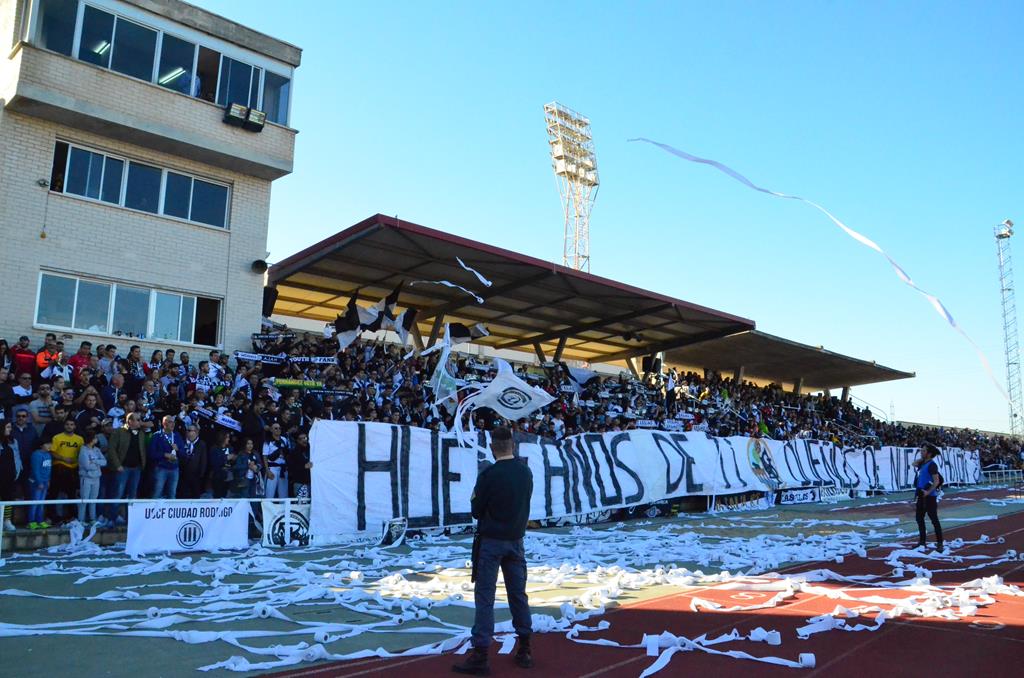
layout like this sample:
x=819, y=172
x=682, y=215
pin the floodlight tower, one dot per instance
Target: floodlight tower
x=575, y=166
x=1003, y=232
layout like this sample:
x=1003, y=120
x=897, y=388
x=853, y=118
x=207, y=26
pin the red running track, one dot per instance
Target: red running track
x=989, y=644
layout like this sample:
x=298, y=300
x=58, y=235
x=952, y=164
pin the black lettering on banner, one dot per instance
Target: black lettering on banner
x=789, y=452
x=575, y=474
x=871, y=472
x=813, y=463
x=671, y=485
x=606, y=500
x=432, y=519
x=691, y=487
x=588, y=472
x=675, y=442
x=719, y=444
x=616, y=441
x=900, y=463
x=447, y=478
x=550, y=473
x=365, y=466
x=826, y=455
x=848, y=480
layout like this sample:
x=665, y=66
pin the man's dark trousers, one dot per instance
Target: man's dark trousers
x=928, y=505
x=510, y=557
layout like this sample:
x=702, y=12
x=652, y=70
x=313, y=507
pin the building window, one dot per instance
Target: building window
x=67, y=302
x=276, y=90
x=239, y=83
x=57, y=20
x=134, y=50
x=97, y=37
x=91, y=174
x=207, y=68
x=131, y=311
x=112, y=41
x=142, y=191
x=176, y=59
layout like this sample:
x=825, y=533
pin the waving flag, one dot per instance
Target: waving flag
x=443, y=383
x=510, y=396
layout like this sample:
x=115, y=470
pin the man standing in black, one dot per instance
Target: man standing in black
x=501, y=506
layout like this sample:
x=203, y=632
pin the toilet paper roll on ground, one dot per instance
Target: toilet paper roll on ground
x=806, y=660
x=153, y=612
x=321, y=637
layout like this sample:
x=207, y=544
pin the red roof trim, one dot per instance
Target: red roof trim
x=291, y=264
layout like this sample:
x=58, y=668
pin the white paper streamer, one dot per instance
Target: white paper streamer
x=862, y=239
x=448, y=283
x=484, y=281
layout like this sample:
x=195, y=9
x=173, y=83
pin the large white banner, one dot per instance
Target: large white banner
x=364, y=474
x=161, y=527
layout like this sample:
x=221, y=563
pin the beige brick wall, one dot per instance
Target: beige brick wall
x=112, y=243
x=93, y=239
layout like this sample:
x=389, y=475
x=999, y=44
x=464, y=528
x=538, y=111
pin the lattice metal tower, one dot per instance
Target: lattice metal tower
x=1003, y=232
x=575, y=166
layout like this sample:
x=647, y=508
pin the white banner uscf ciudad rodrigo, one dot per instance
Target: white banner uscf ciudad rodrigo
x=366, y=473
x=196, y=526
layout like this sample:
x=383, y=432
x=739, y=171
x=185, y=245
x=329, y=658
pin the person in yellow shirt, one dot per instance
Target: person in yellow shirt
x=64, y=472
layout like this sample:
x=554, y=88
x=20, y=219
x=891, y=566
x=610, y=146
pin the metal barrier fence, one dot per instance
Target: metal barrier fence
x=1003, y=476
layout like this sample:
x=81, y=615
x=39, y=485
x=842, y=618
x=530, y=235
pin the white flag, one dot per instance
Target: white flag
x=510, y=396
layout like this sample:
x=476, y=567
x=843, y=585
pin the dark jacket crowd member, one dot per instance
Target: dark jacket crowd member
x=501, y=506
x=927, y=484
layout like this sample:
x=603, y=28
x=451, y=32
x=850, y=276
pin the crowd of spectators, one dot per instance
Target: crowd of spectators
x=101, y=424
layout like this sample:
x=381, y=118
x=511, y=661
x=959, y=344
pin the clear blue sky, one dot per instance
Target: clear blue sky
x=904, y=119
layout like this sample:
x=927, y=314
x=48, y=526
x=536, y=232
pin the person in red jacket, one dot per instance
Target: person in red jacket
x=23, y=357
x=80, y=359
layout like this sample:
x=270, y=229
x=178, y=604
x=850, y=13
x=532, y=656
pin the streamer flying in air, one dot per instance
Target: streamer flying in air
x=862, y=239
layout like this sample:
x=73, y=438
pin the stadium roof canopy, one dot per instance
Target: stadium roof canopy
x=558, y=312
x=770, y=358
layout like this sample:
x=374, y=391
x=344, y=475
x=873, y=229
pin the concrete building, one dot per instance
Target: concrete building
x=130, y=211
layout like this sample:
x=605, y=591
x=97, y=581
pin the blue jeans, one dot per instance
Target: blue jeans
x=165, y=483
x=123, y=485
x=510, y=557
x=37, y=492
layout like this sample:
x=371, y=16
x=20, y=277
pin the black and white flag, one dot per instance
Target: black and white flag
x=459, y=333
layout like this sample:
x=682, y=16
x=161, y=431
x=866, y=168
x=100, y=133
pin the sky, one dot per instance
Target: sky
x=903, y=119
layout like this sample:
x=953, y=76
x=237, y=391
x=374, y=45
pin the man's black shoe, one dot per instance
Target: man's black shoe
x=475, y=664
x=524, y=657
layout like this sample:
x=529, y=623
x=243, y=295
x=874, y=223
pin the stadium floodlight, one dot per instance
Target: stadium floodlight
x=1011, y=345
x=575, y=165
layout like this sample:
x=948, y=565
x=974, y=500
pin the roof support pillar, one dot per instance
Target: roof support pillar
x=417, y=337
x=738, y=374
x=540, y=352
x=631, y=364
x=846, y=393
x=435, y=329
x=798, y=386
x=559, y=349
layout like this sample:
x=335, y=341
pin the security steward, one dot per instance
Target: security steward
x=501, y=506
x=926, y=484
